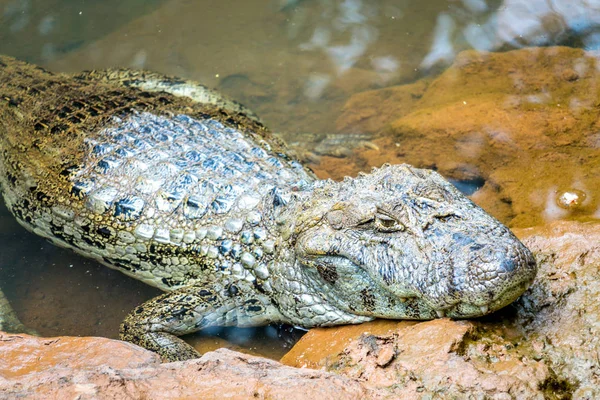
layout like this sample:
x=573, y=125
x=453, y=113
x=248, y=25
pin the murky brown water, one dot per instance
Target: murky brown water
x=297, y=63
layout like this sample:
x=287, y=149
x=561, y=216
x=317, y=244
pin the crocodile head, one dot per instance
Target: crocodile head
x=404, y=243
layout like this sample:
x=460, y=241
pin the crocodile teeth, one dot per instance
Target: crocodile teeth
x=440, y=313
x=484, y=309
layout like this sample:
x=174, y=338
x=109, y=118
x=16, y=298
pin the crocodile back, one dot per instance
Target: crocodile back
x=122, y=175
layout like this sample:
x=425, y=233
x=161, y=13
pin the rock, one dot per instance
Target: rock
x=560, y=314
x=368, y=112
x=320, y=343
x=531, y=134
x=427, y=358
x=97, y=368
x=372, y=111
x=21, y=355
x=543, y=346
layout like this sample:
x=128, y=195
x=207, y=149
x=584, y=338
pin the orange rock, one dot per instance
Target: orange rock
x=374, y=110
x=319, y=347
x=22, y=355
x=97, y=368
x=410, y=360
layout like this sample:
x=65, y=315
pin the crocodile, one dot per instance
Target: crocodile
x=174, y=185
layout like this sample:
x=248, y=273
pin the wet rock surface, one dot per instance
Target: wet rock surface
x=544, y=346
x=97, y=368
x=528, y=135
x=441, y=357
x=560, y=315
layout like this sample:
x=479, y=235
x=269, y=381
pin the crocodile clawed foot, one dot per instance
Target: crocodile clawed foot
x=168, y=346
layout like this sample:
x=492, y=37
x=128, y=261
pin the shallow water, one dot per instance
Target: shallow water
x=295, y=62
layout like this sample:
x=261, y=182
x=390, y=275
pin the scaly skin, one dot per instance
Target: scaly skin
x=201, y=201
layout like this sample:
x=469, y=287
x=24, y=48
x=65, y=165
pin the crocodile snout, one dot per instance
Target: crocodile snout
x=491, y=277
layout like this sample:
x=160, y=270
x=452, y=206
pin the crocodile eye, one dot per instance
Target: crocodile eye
x=431, y=192
x=385, y=223
x=382, y=222
x=437, y=194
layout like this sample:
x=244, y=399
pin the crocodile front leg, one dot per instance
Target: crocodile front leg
x=156, y=324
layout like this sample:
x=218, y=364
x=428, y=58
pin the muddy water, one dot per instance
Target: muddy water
x=299, y=64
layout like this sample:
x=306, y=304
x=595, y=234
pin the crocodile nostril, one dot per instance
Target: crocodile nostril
x=509, y=264
x=476, y=246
